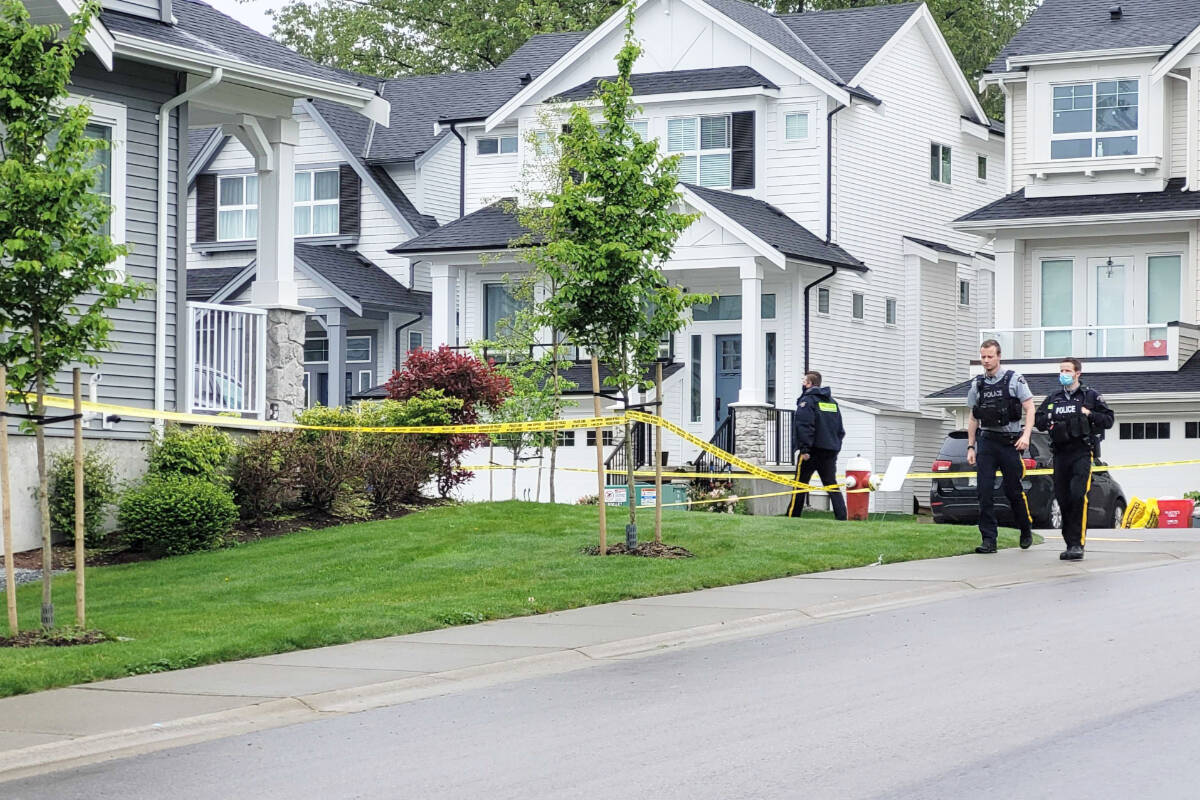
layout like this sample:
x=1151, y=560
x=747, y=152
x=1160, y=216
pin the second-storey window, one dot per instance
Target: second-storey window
x=499, y=311
x=1095, y=119
x=316, y=202
x=237, y=208
x=939, y=163
x=704, y=144
x=496, y=145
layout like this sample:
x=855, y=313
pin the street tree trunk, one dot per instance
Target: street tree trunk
x=39, y=437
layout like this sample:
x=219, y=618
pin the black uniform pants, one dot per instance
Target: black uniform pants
x=824, y=463
x=1072, y=481
x=996, y=452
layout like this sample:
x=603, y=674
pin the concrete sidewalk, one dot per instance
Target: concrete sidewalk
x=109, y=719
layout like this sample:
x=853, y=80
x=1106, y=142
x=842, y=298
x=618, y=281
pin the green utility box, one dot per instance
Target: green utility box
x=618, y=495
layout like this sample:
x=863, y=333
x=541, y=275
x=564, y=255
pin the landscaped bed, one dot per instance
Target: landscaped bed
x=444, y=566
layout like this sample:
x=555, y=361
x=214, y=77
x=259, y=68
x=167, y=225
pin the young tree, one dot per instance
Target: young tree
x=57, y=282
x=606, y=231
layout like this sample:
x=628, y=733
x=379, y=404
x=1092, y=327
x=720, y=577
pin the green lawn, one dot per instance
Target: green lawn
x=446, y=566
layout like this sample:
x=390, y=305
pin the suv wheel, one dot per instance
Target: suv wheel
x=1118, y=514
x=1055, y=515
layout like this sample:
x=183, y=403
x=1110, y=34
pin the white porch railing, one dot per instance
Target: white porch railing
x=226, y=359
x=1097, y=341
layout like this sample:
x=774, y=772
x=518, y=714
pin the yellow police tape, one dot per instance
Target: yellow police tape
x=749, y=471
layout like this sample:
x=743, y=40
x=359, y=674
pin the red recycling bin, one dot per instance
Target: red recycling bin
x=1175, y=513
x=858, y=476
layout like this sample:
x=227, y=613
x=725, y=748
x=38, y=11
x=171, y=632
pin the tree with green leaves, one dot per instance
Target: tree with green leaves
x=57, y=277
x=419, y=37
x=604, y=232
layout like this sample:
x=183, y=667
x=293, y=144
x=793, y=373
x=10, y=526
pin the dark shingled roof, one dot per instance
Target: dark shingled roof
x=422, y=223
x=490, y=228
x=771, y=29
x=362, y=279
x=685, y=80
x=204, y=282
x=197, y=139
x=1185, y=379
x=202, y=28
x=846, y=40
x=777, y=229
x=1017, y=206
x=938, y=246
x=1066, y=26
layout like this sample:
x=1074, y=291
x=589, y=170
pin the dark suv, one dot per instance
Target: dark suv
x=957, y=500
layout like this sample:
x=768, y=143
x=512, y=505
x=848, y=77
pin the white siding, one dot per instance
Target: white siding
x=1017, y=126
x=379, y=231
x=1176, y=106
x=438, y=183
x=490, y=178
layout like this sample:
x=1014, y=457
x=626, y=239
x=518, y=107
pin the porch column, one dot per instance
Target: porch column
x=1005, y=300
x=274, y=280
x=445, y=304
x=754, y=365
x=337, y=357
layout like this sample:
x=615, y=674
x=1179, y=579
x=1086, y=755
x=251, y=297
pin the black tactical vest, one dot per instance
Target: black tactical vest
x=995, y=403
x=1067, y=420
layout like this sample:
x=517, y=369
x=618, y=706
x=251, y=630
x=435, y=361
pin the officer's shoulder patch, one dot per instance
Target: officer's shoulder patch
x=802, y=404
x=1099, y=397
x=1020, y=379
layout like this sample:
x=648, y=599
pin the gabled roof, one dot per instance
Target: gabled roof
x=847, y=39
x=940, y=247
x=1016, y=206
x=776, y=228
x=490, y=228
x=422, y=223
x=203, y=146
x=1185, y=379
x=204, y=282
x=771, y=29
x=684, y=80
x=1070, y=26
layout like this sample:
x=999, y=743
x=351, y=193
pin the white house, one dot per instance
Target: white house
x=1096, y=240
x=827, y=154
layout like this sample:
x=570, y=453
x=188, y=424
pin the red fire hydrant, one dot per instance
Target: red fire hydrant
x=858, y=476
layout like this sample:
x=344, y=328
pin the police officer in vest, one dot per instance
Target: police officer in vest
x=996, y=438
x=817, y=435
x=1076, y=418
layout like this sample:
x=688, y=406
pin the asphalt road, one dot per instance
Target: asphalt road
x=1084, y=688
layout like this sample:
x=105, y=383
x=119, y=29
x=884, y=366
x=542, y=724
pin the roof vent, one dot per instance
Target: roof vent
x=1114, y=13
x=526, y=79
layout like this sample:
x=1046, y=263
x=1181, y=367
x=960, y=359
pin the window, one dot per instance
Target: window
x=414, y=340
x=1145, y=430
x=729, y=307
x=606, y=439
x=981, y=167
x=102, y=158
x=316, y=203
x=366, y=379
x=857, y=306
x=641, y=127
x=108, y=123
x=704, y=144
x=771, y=348
x=316, y=350
x=695, y=416
x=1191, y=430
x=939, y=163
x=237, y=208
x=496, y=145
x=964, y=293
x=1086, y=114
x=1162, y=292
x=500, y=308
x=822, y=301
x=358, y=349
x=307, y=398
x=795, y=126
x=1058, y=277
x=565, y=438
x=889, y=311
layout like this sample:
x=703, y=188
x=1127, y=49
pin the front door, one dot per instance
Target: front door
x=1110, y=306
x=729, y=373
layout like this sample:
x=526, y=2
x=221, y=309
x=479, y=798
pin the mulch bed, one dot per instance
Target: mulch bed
x=644, y=549
x=61, y=638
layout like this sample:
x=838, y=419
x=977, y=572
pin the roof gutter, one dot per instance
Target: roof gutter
x=160, y=245
x=462, y=161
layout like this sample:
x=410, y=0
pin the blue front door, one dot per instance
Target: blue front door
x=729, y=373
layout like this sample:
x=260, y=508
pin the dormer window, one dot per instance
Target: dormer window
x=704, y=144
x=1095, y=120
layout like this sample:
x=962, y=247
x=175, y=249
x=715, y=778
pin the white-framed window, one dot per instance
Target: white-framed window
x=858, y=306
x=497, y=145
x=316, y=350
x=1097, y=119
x=964, y=293
x=366, y=379
x=641, y=127
x=237, y=208
x=889, y=311
x=316, y=203
x=939, y=163
x=796, y=125
x=307, y=395
x=109, y=123
x=822, y=300
x=1163, y=294
x=358, y=349
x=981, y=165
x=500, y=310
x=704, y=144
x=414, y=340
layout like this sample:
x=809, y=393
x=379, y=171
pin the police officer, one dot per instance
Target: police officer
x=996, y=437
x=817, y=435
x=1076, y=418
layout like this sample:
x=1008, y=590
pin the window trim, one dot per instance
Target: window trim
x=370, y=349
x=420, y=341
x=891, y=307
x=981, y=164
x=243, y=207
x=824, y=290
x=1092, y=135
x=810, y=140
x=964, y=283
x=312, y=203
x=941, y=179
x=858, y=296
x=114, y=116
x=369, y=375
x=499, y=138
x=727, y=150
x=324, y=339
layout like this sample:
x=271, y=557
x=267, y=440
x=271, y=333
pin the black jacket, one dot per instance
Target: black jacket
x=1073, y=427
x=817, y=423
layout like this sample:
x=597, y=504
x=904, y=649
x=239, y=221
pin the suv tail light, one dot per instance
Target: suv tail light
x=941, y=466
x=1030, y=463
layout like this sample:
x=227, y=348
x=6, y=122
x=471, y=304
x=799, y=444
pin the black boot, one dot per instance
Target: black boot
x=1074, y=553
x=986, y=547
x=1026, y=539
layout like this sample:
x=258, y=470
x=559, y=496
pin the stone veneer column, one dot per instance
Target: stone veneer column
x=750, y=431
x=285, y=362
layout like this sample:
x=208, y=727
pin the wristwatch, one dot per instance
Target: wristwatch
x=970, y=447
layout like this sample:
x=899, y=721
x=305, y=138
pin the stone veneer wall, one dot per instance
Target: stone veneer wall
x=285, y=363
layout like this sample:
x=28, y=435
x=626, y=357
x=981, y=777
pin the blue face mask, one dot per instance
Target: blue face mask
x=1065, y=379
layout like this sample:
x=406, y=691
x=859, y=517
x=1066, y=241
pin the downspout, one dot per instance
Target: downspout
x=808, y=289
x=160, y=250
x=828, y=225
x=462, y=170
x=1191, y=130
x=396, y=361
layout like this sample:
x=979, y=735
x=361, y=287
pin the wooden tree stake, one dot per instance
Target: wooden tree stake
x=658, y=436
x=10, y=586
x=80, y=552
x=600, y=475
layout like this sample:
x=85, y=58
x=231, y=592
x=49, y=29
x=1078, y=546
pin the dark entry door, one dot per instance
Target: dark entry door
x=729, y=373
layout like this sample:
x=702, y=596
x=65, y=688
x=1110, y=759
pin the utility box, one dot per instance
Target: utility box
x=1175, y=513
x=618, y=495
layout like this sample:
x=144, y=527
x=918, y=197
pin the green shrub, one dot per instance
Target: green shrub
x=99, y=492
x=1192, y=496
x=201, y=452
x=176, y=514
x=263, y=481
